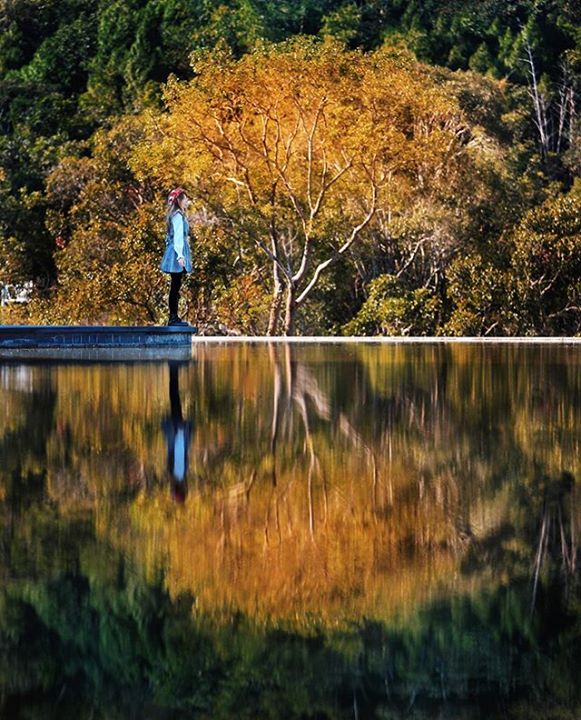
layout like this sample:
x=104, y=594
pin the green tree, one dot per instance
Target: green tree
x=393, y=309
x=546, y=267
x=480, y=295
x=481, y=61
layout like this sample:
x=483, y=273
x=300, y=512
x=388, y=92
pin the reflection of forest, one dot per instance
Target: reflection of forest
x=425, y=494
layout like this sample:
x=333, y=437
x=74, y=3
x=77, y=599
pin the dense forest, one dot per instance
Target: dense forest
x=366, y=167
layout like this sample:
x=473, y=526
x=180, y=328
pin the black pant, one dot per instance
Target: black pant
x=174, y=292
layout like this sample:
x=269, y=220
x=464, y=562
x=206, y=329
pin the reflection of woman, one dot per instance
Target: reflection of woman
x=176, y=259
x=177, y=434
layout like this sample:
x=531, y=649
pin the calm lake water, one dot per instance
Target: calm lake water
x=293, y=531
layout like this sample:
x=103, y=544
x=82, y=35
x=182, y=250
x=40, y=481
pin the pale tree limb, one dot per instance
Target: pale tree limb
x=326, y=186
x=538, y=102
x=310, y=142
x=412, y=257
x=303, y=267
x=320, y=269
x=236, y=155
x=272, y=255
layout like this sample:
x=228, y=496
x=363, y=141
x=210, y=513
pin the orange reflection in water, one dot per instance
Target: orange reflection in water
x=319, y=483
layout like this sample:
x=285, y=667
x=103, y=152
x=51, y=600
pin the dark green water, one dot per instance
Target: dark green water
x=297, y=531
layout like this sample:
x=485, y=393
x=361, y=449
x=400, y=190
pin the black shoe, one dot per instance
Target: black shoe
x=176, y=321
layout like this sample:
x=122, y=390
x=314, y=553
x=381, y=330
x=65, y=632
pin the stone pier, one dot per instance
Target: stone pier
x=19, y=340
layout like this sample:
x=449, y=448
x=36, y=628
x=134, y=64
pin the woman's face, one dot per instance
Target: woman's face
x=183, y=202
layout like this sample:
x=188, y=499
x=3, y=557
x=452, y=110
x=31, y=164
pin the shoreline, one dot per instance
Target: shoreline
x=156, y=343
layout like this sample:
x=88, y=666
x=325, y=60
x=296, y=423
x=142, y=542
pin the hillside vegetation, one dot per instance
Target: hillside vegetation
x=364, y=167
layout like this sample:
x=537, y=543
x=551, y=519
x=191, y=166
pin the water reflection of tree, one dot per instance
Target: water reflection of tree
x=28, y=400
x=539, y=539
x=304, y=392
x=349, y=466
x=316, y=512
x=98, y=627
x=430, y=447
x=104, y=643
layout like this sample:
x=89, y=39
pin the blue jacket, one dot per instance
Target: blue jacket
x=177, y=244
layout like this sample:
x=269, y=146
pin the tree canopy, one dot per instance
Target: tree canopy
x=81, y=79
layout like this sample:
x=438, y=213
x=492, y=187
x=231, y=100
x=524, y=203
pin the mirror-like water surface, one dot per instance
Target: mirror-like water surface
x=293, y=532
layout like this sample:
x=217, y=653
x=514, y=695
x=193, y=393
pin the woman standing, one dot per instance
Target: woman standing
x=177, y=260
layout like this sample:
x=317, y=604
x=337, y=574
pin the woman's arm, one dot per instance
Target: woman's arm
x=178, y=234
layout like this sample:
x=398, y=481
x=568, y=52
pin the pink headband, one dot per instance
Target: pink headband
x=174, y=194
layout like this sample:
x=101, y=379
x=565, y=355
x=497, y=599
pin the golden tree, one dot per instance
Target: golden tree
x=295, y=148
x=106, y=231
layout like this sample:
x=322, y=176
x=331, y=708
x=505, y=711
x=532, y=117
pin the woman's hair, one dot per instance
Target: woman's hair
x=173, y=200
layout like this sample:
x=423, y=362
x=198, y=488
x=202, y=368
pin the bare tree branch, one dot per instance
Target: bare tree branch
x=342, y=250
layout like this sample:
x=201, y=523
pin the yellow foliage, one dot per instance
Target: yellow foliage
x=295, y=150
